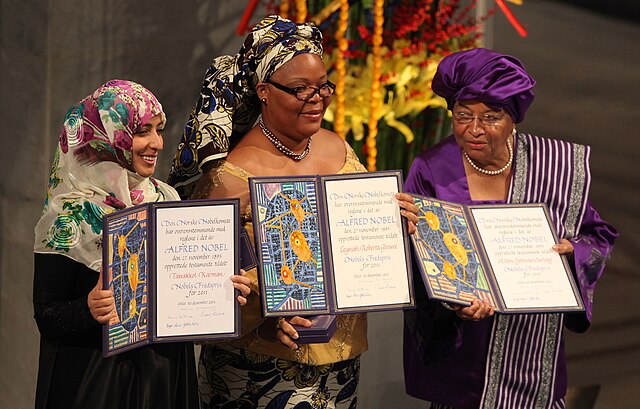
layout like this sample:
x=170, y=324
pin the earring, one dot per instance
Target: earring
x=264, y=101
x=514, y=132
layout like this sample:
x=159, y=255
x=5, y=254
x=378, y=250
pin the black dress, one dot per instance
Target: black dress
x=72, y=372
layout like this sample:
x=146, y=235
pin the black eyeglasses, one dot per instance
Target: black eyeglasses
x=306, y=93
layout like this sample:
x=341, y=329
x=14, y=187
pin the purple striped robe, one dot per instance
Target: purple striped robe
x=517, y=360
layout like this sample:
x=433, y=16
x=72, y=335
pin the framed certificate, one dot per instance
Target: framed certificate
x=331, y=244
x=500, y=254
x=169, y=265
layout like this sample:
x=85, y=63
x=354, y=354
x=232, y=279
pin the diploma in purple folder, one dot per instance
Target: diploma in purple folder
x=169, y=264
x=500, y=254
x=330, y=245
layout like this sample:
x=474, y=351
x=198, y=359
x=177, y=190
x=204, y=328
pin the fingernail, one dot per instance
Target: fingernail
x=296, y=336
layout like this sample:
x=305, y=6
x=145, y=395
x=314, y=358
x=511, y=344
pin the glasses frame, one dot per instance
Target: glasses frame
x=482, y=118
x=316, y=90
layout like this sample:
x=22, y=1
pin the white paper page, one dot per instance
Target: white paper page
x=518, y=243
x=367, y=243
x=194, y=264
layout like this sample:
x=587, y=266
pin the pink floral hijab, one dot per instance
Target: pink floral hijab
x=92, y=172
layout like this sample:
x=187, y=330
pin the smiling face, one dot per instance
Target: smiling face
x=147, y=143
x=484, y=138
x=284, y=114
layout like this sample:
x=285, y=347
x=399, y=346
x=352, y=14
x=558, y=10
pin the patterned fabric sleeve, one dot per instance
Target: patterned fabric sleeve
x=591, y=249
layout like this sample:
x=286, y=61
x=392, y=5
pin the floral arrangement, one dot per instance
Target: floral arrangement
x=382, y=56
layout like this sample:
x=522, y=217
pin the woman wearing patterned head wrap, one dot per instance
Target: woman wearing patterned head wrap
x=104, y=161
x=468, y=357
x=229, y=104
x=279, y=76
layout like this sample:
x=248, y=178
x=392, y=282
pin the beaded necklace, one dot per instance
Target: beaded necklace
x=286, y=151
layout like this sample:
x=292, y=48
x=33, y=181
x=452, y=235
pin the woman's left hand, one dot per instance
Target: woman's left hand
x=101, y=302
x=408, y=210
x=564, y=247
x=286, y=333
x=241, y=283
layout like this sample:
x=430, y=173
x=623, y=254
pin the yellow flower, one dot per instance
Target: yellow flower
x=405, y=84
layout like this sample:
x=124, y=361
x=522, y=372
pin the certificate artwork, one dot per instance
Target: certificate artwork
x=127, y=274
x=291, y=252
x=447, y=253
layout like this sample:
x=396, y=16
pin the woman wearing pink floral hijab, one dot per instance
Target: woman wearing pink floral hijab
x=106, y=155
x=94, y=169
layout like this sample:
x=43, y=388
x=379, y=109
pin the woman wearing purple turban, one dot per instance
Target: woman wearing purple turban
x=468, y=357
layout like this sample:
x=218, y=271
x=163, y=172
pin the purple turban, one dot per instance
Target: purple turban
x=498, y=80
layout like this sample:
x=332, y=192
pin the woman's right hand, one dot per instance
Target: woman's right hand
x=101, y=303
x=286, y=333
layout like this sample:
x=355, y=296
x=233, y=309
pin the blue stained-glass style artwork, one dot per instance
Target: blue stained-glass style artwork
x=291, y=249
x=127, y=273
x=447, y=254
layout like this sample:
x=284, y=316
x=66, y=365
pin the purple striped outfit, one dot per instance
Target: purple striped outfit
x=517, y=360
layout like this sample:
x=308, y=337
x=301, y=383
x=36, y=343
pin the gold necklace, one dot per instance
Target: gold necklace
x=286, y=151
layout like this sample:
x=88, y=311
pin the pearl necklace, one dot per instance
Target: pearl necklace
x=286, y=151
x=491, y=172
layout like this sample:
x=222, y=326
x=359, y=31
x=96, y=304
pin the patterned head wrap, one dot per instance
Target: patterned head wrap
x=92, y=172
x=228, y=105
x=498, y=80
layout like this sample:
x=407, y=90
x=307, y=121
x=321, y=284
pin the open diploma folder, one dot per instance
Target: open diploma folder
x=331, y=244
x=169, y=265
x=500, y=254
